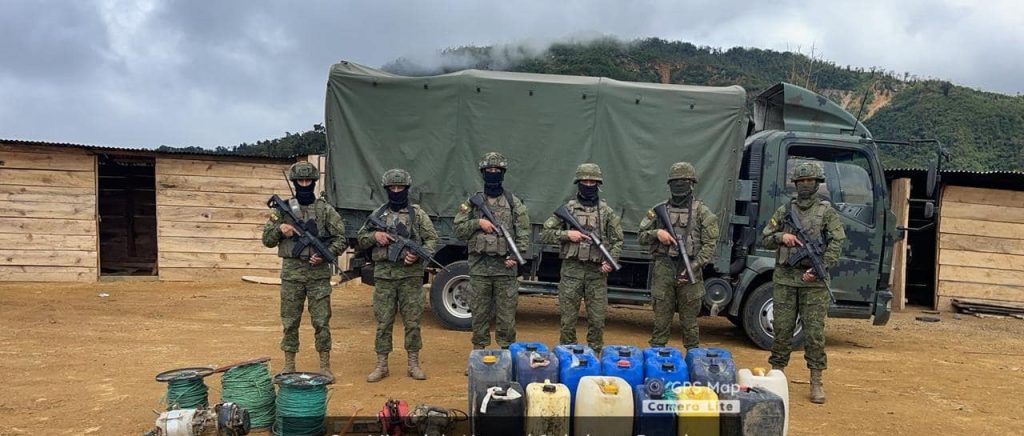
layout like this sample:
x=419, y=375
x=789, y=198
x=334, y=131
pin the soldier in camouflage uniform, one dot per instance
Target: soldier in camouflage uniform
x=398, y=284
x=671, y=292
x=796, y=290
x=492, y=268
x=584, y=274
x=306, y=277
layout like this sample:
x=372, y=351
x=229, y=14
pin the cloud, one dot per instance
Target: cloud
x=148, y=72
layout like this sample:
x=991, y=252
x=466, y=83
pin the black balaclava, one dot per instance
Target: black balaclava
x=492, y=183
x=398, y=200
x=587, y=195
x=305, y=194
x=682, y=191
x=806, y=190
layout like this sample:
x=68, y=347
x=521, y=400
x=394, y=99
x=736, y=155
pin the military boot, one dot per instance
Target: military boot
x=289, y=362
x=414, y=366
x=817, y=390
x=381, y=370
x=325, y=364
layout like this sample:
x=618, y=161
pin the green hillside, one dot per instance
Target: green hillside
x=981, y=130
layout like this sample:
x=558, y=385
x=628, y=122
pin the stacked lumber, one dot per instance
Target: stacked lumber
x=987, y=306
x=210, y=217
x=980, y=246
x=48, y=210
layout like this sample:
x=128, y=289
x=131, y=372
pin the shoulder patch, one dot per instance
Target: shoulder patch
x=773, y=223
x=275, y=216
x=650, y=214
x=463, y=208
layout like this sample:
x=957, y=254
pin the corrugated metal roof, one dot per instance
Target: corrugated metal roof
x=1003, y=179
x=140, y=150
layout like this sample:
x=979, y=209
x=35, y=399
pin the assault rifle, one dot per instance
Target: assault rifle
x=683, y=265
x=563, y=213
x=811, y=249
x=478, y=201
x=306, y=232
x=401, y=241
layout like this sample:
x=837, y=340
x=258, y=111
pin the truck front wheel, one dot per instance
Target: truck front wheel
x=449, y=297
x=758, y=316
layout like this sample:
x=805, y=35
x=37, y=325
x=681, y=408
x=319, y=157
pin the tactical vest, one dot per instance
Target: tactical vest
x=590, y=218
x=813, y=222
x=682, y=224
x=405, y=216
x=306, y=213
x=491, y=244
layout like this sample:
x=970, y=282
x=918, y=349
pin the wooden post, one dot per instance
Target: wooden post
x=900, y=205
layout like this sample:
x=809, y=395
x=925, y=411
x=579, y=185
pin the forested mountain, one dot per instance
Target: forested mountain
x=981, y=130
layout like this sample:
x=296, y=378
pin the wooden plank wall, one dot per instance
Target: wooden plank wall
x=900, y=199
x=48, y=211
x=980, y=245
x=210, y=217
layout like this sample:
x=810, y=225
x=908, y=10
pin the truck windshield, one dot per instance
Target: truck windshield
x=847, y=179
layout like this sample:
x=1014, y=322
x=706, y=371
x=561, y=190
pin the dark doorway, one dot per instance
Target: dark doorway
x=127, y=206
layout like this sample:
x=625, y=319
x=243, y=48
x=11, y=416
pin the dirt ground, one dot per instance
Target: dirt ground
x=77, y=363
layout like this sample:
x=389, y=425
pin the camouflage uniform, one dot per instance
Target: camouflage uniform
x=301, y=281
x=792, y=296
x=670, y=295
x=398, y=287
x=495, y=287
x=581, y=276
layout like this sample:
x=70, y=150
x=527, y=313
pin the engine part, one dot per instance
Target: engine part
x=226, y=419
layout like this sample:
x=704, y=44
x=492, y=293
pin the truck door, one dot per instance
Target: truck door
x=852, y=186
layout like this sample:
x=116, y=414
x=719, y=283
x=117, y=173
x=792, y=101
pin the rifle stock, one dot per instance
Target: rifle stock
x=811, y=249
x=563, y=213
x=683, y=264
x=306, y=237
x=478, y=201
x=402, y=242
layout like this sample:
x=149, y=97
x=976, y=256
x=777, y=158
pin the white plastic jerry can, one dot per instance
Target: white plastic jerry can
x=604, y=405
x=547, y=409
x=774, y=381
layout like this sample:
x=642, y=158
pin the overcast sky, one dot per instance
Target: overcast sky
x=144, y=73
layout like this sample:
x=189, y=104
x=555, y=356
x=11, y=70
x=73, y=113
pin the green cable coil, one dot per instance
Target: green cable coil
x=301, y=410
x=249, y=387
x=186, y=394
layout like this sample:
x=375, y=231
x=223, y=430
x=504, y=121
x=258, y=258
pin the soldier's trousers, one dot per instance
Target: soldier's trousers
x=391, y=296
x=593, y=289
x=670, y=297
x=294, y=294
x=494, y=297
x=811, y=303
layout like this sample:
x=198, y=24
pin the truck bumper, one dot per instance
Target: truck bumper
x=883, y=307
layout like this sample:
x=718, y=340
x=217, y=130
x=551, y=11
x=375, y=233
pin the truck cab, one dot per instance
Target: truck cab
x=792, y=125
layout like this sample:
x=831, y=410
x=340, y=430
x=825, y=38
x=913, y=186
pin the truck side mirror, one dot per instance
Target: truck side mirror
x=933, y=180
x=929, y=209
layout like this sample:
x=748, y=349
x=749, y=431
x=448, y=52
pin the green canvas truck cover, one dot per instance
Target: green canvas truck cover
x=437, y=127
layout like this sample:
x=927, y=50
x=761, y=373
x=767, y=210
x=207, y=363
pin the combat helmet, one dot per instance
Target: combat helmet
x=682, y=170
x=808, y=170
x=303, y=171
x=396, y=177
x=588, y=171
x=493, y=160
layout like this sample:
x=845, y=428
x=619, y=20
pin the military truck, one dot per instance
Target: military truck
x=437, y=128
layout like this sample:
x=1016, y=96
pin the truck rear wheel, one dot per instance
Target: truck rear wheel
x=758, y=314
x=449, y=297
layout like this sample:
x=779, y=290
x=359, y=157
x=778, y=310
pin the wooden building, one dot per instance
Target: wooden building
x=77, y=213
x=980, y=246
